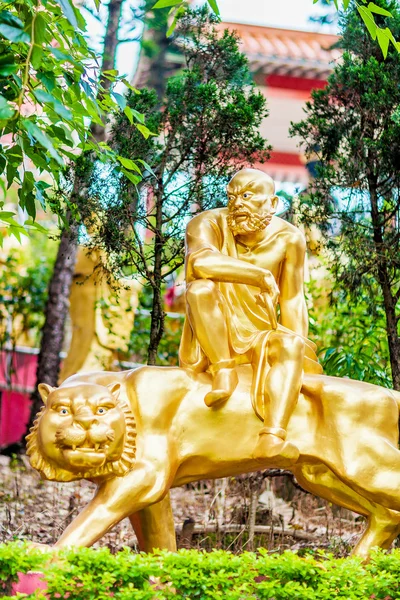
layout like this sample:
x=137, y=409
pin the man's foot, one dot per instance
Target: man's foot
x=273, y=449
x=225, y=380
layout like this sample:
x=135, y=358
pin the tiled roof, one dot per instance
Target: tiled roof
x=286, y=51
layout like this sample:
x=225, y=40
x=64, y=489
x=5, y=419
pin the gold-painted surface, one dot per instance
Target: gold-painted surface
x=241, y=262
x=139, y=433
x=346, y=431
x=102, y=313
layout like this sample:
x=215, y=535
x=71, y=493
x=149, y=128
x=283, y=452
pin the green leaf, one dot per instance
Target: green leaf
x=26, y=196
x=133, y=178
x=8, y=18
x=145, y=131
x=129, y=164
x=166, y=3
x=171, y=28
x=119, y=99
x=378, y=10
x=129, y=114
x=36, y=225
x=48, y=80
x=5, y=215
x=63, y=56
x=346, y=4
x=69, y=11
x=146, y=166
x=7, y=64
x=130, y=86
x=368, y=19
x=214, y=6
x=14, y=34
x=12, y=28
x=39, y=31
x=6, y=112
x=42, y=138
x=59, y=108
x=383, y=40
x=138, y=116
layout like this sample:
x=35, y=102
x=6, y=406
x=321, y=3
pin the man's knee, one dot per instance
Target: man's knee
x=200, y=290
x=286, y=346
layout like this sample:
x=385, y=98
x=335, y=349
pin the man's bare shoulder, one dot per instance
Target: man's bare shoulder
x=211, y=216
x=294, y=235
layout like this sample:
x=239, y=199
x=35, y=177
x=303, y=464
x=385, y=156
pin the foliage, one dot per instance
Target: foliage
x=352, y=127
x=88, y=573
x=350, y=336
x=48, y=96
x=167, y=351
x=367, y=10
x=206, y=127
x=23, y=281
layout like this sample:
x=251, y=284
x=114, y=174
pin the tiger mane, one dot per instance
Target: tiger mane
x=53, y=472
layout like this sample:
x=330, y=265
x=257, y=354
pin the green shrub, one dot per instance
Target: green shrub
x=88, y=574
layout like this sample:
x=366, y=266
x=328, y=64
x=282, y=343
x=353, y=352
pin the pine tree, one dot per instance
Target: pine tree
x=353, y=127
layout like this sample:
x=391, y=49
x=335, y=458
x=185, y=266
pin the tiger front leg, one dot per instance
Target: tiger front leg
x=114, y=500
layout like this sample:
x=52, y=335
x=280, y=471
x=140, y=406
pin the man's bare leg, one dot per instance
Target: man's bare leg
x=281, y=392
x=210, y=327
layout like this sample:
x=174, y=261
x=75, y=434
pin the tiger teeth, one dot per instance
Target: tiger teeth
x=96, y=447
x=73, y=446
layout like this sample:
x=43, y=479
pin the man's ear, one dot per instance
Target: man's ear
x=114, y=389
x=44, y=390
x=274, y=204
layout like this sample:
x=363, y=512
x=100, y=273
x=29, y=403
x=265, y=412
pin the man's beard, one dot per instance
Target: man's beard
x=251, y=224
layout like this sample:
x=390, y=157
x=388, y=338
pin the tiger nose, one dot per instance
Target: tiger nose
x=85, y=419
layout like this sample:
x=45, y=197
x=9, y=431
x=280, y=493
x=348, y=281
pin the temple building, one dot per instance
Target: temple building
x=286, y=65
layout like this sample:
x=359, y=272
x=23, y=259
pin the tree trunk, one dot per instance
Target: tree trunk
x=55, y=314
x=60, y=285
x=389, y=301
x=157, y=77
x=109, y=55
x=157, y=311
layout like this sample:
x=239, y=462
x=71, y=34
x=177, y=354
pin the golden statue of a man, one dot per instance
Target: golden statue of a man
x=241, y=261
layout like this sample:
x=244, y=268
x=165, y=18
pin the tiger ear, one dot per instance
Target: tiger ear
x=45, y=390
x=114, y=389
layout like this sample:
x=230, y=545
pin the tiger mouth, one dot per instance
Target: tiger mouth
x=98, y=447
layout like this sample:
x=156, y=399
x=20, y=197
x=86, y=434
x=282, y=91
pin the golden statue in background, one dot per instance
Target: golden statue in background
x=240, y=262
x=138, y=433
x=102, y=313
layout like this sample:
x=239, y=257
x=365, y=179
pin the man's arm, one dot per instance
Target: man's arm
x=292, y=303
x=205, y=261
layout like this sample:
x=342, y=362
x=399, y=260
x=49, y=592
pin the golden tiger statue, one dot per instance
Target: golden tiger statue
x=139, y=433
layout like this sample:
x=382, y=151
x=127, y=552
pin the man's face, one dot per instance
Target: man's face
x=251, y=204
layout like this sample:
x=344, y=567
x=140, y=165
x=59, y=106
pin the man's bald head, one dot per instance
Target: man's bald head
x=253, y=180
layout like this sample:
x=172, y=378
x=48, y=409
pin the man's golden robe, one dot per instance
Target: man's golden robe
x=248, y=323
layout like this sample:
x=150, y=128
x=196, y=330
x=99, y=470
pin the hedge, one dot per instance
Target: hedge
x=88, y=574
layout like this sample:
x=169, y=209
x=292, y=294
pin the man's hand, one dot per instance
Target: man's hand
x=268, y=284
x=268, y=297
